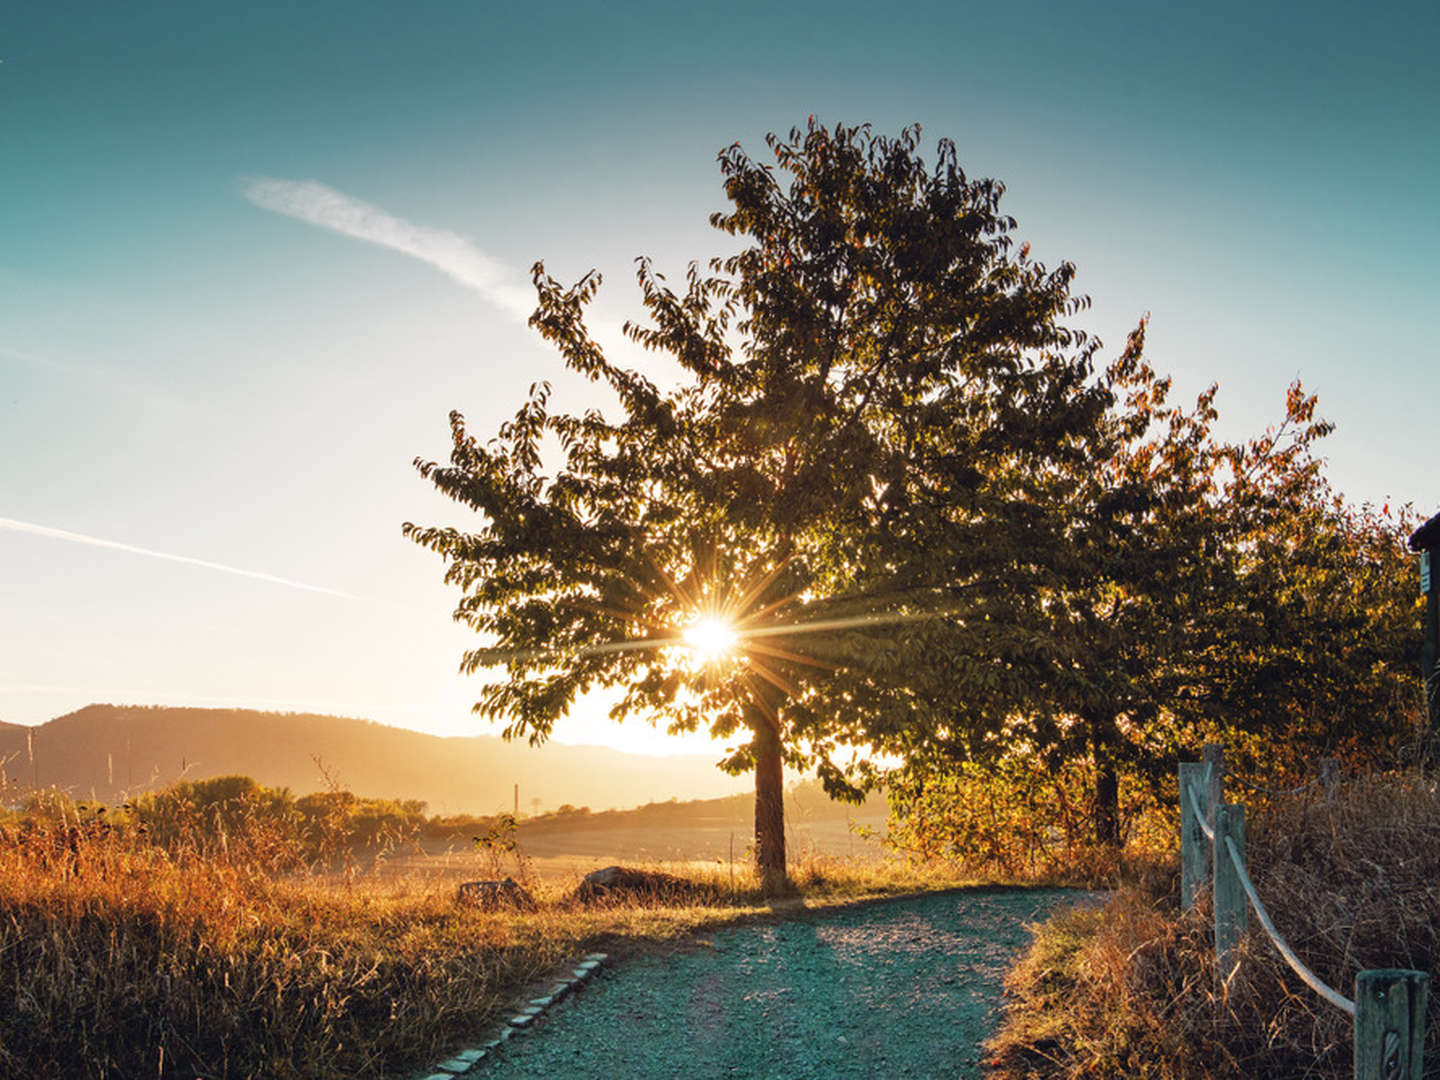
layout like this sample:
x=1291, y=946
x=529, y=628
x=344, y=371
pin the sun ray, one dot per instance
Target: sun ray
x=667, y=637
x=600, y=649
x=748, y=595
x=768, y=609
x=850, y=622
x=772, y=717
x=775, y=678
x=785, y=654
x=618, y=613
x=681, y=595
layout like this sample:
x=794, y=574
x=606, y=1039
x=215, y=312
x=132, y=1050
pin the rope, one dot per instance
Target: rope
x=1199, y=815
x=1262, y=789
x=1339, y=1000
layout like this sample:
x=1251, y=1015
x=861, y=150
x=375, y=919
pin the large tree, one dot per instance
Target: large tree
x=828, y=532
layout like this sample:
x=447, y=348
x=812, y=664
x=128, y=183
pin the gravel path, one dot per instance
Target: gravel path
x=899, y=988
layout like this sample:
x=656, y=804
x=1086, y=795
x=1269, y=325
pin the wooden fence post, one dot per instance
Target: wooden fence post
x=1232, y=906
x=1213, y=754
x=1194, y=866
x=1390, y=1024
x=1330, y=777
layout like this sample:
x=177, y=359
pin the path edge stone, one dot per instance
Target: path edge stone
x=523, y=1017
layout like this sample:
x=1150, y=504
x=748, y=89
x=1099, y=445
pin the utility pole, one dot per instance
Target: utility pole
x=1427, y=542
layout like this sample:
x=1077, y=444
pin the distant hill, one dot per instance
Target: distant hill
x=118, y=750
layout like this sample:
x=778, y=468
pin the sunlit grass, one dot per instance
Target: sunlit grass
x=1129, y=989
x=120, y=957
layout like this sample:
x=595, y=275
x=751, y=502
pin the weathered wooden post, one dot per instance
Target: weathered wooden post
x=1390, y=1024
x=1232, y=908
x=1194, y=847
x=1330, y=777
x=1213, y=755
x=1426, y=540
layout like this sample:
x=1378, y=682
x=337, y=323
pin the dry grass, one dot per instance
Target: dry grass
x=120, y=957
x=1130, y=989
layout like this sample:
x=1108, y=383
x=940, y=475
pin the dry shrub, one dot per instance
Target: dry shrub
x=1352, y=883
x=618, y=885
x=1130, y=989
x=120, y=958
x=1109, y=991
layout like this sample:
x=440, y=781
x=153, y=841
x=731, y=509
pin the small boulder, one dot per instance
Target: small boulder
x=621, y=884
x=495, y=895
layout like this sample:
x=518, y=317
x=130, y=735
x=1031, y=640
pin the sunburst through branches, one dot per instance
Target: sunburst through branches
x=714, y=623
x=710, y=638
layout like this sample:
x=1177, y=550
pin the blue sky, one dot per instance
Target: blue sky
x=190, y=365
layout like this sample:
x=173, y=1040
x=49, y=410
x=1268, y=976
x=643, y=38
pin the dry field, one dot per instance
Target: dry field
x=562, y=855
x=120, y=957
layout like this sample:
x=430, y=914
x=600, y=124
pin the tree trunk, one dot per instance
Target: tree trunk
x=1104, y=737
x=1107, y=806
x=769, y=802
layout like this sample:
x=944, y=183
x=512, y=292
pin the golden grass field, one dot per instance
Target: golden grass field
x=122, y=958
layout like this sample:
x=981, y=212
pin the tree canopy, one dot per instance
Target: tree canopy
x=1206, y=591
x=884, y=501
x=872, y=405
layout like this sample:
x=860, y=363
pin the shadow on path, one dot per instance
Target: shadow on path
x=905, y=987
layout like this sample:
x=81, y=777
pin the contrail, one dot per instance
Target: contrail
x=95, y=378
x=95, y=541
x=456, y=255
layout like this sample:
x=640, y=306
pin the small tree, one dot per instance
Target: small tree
x=1203, y=591
x=827, y=534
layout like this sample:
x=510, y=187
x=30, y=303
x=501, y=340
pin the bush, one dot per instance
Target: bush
x=1017, y=819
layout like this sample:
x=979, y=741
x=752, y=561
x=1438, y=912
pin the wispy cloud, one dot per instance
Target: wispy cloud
x=450, y=252
x=95, y=541
x=106, y=379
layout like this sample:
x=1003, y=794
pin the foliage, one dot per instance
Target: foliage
x=272, y=826
x=502, y=838
x=871, y=400
x=1202, y=591
x=1320, y=658
x=1016, y=818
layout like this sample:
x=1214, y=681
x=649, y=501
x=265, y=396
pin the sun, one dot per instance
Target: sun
x=712, y=639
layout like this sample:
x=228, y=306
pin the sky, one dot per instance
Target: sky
x=251, y=255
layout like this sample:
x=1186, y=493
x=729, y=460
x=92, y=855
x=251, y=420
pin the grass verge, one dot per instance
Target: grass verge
x=1130, y=989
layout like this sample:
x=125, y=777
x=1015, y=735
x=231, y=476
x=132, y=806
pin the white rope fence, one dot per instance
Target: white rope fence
x=1339, y=1000
x=1389, y=1005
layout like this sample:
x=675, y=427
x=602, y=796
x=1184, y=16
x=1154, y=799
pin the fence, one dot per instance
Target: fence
x=1389, y=1004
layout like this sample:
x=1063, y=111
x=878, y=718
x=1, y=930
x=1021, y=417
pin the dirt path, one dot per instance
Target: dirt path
x=899, y=988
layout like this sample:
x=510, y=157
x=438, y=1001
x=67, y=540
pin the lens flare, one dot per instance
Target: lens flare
x=710, y=638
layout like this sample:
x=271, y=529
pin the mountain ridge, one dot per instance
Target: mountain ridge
x=110, y=752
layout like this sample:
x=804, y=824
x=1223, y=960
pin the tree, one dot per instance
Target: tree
x=1203, y=591
x=874, y=401
x=1133, y=526
x=1318, y=648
